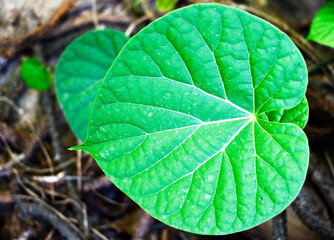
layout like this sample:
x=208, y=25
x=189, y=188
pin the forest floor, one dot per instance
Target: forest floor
x=47, y=192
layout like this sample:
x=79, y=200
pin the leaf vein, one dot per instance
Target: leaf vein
x=185, y=65
x=222, y=149
x=213, y=56
x=296, y=160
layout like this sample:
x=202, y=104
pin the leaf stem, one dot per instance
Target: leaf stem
x=94, y=15
x=47, y=105
x=143, y=227
x=304, y=210
x=319, y=65
x=279, y=227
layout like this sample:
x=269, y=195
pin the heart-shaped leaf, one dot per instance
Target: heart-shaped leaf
x=177, y=127
x=322, y=27
x=80, y=72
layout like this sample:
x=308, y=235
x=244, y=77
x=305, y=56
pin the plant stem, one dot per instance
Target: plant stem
x=94, y=15
x=47, y=105
x=143, y=228
x=59, y=155
x=279, y=227
x=304, y=210
x=317, y=66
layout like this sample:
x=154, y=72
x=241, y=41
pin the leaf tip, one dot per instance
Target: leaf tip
x=78, y=147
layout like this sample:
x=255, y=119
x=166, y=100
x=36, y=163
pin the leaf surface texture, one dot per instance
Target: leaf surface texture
x=177, y=122
x=80, y=72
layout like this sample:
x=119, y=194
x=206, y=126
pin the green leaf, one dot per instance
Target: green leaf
x=322, y=27
x=176, y=122
x=297, y=115
x=80, y=72
x=165, y=5
x=35, y=75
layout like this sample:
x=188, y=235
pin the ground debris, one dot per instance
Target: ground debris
x=47, y=192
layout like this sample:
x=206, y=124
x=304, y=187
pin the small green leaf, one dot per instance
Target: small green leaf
x=322, y=27
x=297, y=115
x=80, y=72
x=176, y=124
x=35, y=75
x=165, y=5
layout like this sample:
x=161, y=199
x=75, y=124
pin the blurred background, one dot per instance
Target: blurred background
x=47, y=192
